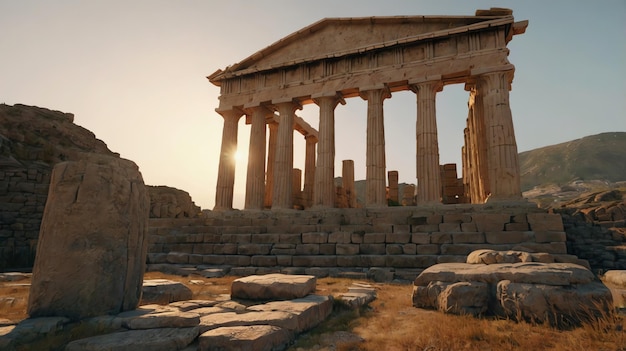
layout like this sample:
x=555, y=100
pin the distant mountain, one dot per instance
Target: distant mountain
x=595, y=157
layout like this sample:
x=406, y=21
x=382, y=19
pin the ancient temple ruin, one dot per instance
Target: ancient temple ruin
x=335, y=59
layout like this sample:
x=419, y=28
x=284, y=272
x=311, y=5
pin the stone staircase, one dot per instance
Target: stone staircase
x=380, y=244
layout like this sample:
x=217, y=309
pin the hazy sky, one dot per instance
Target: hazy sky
x=134, y=73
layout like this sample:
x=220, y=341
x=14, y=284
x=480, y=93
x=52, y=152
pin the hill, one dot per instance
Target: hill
x=596, y=157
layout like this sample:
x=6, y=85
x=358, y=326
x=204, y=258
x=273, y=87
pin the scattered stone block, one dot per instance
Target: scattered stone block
x=309, y=311
x=273, y=287
x=164, y=291
x=255, y=337
x=155, y=316
x=162, y=339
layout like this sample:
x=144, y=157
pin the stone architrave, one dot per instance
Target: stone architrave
x=93, y=240
x=283, y=164
x=324, y=190
x=427, y=145
x=375, y=192
x=255, y=180
x=503, y=161
x=226, y=169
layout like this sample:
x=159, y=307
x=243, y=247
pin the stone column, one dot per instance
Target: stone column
x=393, y=186
x=427, y=153
x=347, y=181
x=255, y=179
x=271, y=158
x=324, y=189
x=296, y=190
x=226, y=168
x=502, y=157
x=479, y=177
x=375, y=157
x=309, y=170
x=283, y=165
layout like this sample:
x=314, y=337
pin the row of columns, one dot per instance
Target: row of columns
x=490, y=152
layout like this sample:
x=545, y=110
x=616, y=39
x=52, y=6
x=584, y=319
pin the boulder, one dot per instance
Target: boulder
x=555, y=293
x=273, y=287
x=93, y=240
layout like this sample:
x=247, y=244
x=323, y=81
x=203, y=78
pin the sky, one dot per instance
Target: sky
x=134, y=73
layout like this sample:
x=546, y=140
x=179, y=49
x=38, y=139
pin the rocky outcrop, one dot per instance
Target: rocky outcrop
x=561, y=294
x=32, y=141
x=93, y=237
x=167, y=202
x=595, y=225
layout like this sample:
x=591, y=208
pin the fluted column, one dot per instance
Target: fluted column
x=271, y=158
x=255, y=179
x=283, y=165
x=375, y=178
x=309, y=169
x=347, y=181
x=324, y=189
x=427, y=144
x=226, y=169
x=502, y=159
x=479, y=176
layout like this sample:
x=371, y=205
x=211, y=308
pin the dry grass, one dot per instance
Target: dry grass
x=391, y=323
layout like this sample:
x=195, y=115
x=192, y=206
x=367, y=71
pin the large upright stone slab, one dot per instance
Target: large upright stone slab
x=93, y=240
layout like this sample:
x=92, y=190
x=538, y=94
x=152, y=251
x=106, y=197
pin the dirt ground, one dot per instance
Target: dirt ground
x=391, y=323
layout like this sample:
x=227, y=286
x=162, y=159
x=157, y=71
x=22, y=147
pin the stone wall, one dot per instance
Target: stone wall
x=23, y=193
x=397, y=238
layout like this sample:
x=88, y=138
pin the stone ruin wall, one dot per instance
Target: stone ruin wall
x=401, y=240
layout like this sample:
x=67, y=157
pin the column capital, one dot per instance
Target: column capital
x=293, y=103
x=263, y=108
x=364, y=92
x=310, y=138
x=337, y=96
x=496, y=77
x=433, y=86
x=235, y=112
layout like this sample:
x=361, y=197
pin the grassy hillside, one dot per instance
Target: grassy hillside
x=595, y=157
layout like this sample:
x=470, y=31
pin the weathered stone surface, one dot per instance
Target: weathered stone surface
x=281, y=319
x=103, y=243
x=309, y=311
x=556, y=293
x=162, y=339
x=155, y=316
x=273, y=287
x=491, y=256
x=524, y=272
x=616, y=277
x=168, y=202
x=255, y=337
x=164, y=291
x=359, y=294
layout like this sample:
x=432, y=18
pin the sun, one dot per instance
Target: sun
x=238, y=155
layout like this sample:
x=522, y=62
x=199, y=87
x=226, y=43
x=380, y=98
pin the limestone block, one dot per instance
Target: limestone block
x=410, y=261
x=409, y=249
x=314, y=238
x=263, y=261
x=450, y=227
x=548, y=237
x=265, y=238
x=280, y=319
x=504, y=237
x=397, y=238
x=349, y=261
x=273, y=287
x=420, y=238
x=440, y=238
x=401, y=228
x=468, y=238
x=374, y=238
x=464, y=298
x=516, y=227
x=487, y=256
x=548, y=222
x=469, y=227
x=394, y=249
x=310, y=310
x=372, y=249
x=314, y=261
x=94, y=231
x=327, y=249
x=379, y=274
x=425, y=228
x=339, y=237
x=237, y=260
x=177, y=257
x=254, y=337
x=254, y=249
x=374, y=261
x=428, y=249
x=155, y=316
x=490, y=222
x=290, y=238
x=164, y=291
x=307, y=249
x=347, y=249
x=161, y=339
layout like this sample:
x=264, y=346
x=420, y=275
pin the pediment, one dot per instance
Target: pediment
x=336, y=37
